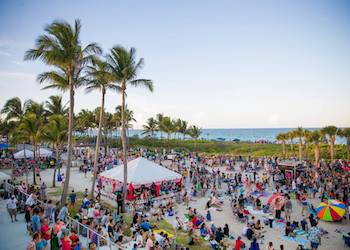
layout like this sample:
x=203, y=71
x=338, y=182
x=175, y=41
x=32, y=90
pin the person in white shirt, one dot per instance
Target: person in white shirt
x=12, y=207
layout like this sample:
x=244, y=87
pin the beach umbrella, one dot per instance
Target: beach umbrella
x=273, y=198
x=331, y=210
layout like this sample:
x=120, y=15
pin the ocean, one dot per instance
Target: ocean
x=243, y=134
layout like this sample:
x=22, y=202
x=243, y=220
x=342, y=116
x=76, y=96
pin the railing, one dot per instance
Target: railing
x=75, y=224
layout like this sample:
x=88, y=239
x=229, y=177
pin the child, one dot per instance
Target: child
x=303, y=224
x=208, y=216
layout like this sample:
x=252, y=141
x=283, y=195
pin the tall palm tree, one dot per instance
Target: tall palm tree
x=54, y=106
x=150, y=127
x=55, y=133
x=291, y=136
x=316, y=138
x=300, y=134
x=281, y=137
x=60, y=47
x=307, y=139
x=14, y=109
x=125, y=67
x=331, y=133
x=345, y=132
x=100, y=79
x=31, y=127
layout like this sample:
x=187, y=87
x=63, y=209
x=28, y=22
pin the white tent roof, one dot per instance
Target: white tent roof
x=42, y=152
x=141, y=171
x=20, y=154
x=4, y=176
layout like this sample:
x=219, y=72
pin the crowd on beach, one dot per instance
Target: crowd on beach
x=241, y=181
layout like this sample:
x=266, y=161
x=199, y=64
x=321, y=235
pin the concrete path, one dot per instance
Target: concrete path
x=13, y=235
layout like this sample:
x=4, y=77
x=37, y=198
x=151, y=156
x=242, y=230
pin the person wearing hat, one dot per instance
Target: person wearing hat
x=12, y=207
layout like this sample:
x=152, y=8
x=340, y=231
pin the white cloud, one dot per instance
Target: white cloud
x=4, y=53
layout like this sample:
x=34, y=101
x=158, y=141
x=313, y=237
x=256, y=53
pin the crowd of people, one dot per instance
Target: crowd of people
x=245, y=182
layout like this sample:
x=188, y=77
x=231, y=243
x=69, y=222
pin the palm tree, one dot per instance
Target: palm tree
x=36, y=108
x=159, y=118
x=291, y=136
x=183, y=128
x=125, y=67
x=101, y=80
x=150, y=127
x=316, y=138
x=85, y=120
x=330, y=132
x=167, y=126
x=194, y=132
x=60, y=47
x=300, y=134
x=282, y=138
x=307, y=138
x=345, y=132
x=55, y=133
x=31, y=128
x=54, y=106
x=14, y=109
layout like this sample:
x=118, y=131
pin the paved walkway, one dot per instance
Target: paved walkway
x=13, y=235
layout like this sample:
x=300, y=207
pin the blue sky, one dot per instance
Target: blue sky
x=217, y=64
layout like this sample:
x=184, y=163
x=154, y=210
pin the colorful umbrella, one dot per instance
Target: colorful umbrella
x=273, y=198
x=332, y=210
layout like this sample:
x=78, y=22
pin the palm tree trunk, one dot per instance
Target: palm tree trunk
x=33, y=167
x=284, y=149
x=331, y=146
x=306, y=150
x=55, y=169
x=292, y=146
x=70, y=141
x=97, y=151
x=125, y=156
x=317, y=154
x=300, y=146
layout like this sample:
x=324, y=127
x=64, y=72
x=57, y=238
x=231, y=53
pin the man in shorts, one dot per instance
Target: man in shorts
x=288, y=209
x=12, y=207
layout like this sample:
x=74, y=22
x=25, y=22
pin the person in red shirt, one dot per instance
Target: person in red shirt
x=74, y=238
x=45, y=230
x=66, y=243
x=239, y=243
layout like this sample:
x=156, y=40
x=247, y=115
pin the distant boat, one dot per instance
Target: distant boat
x=236, y=140
x=220, y=139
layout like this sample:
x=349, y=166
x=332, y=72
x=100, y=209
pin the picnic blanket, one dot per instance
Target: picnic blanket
x=255, y=212
x=298, y=240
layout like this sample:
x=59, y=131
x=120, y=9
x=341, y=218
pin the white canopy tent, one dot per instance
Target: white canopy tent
x=42, y=152
x=4, y=176
x=141, y=171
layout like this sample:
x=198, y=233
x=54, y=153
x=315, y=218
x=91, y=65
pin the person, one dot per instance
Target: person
x=12, y=208
x=63, y=214
x=36, y=221
x=119, y=203
x=226, y=231
x=314, y=236
x=254, y=245
x=31, y=244
x=39, y=243
x=92, y=246
x=43, y=188
x=72, y=198
x=65, y=241
x=270, y=246
x=74, y=239
x=239, y=244
x=45, y=230
x=288, y=208
x=149, y=242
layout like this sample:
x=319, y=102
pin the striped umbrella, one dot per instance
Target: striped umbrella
x=331, y=210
